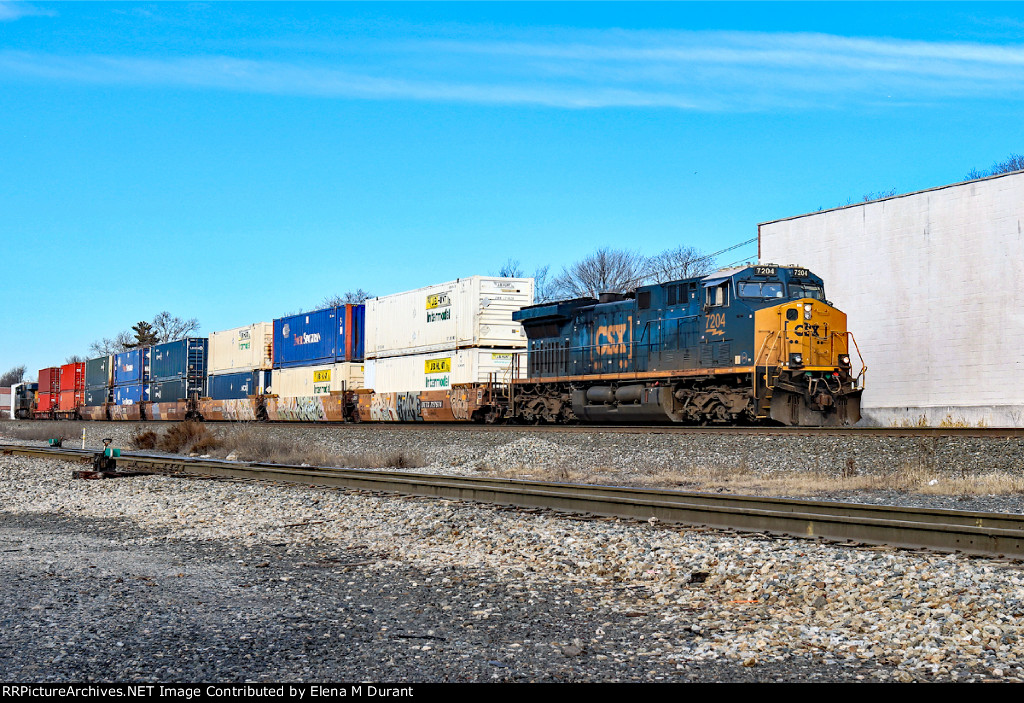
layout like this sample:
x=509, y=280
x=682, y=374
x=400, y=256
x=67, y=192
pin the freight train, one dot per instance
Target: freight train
x=755, y=344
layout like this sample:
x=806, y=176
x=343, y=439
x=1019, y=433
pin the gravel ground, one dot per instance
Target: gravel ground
x=156, y=578
x=617, y=458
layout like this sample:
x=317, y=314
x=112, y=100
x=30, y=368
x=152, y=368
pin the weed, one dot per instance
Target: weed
x=188, y=437
x=850, y=470
x=143, y=439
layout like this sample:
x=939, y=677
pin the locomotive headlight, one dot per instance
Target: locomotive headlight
x=807, y=311
x=796, y=360
x=844, y=360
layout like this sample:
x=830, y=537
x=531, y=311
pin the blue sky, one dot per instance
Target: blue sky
x=236, y=161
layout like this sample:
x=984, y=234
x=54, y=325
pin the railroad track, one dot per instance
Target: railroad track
x=917, y=432
x=987, y=534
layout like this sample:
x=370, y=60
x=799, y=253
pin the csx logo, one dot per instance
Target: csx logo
x=612, y=339
x=806, y=331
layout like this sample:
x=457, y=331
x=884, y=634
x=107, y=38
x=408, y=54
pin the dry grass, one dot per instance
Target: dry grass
x=256, y=444
x=252, y=444
x=948, y=421
x=910, y=478
x=44, y=431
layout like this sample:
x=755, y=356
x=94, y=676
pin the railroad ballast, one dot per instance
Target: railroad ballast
x=739, y=346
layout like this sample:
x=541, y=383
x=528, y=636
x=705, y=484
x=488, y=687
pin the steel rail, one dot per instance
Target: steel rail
x=988, y=534
x=912, y=432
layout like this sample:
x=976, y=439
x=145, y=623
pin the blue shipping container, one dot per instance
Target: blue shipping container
x=231, y=386
x=307, y=338
x=131, y=395
x=131, y=367
x=319, y=337
x=182, y=358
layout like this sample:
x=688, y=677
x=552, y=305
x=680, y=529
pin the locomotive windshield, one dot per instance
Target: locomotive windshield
x=805, y=290
x=760, y=289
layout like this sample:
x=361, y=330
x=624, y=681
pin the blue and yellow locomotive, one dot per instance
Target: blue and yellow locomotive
x=742, y=345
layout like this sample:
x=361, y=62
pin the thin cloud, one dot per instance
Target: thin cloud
x=699, y=71
x=10, y=11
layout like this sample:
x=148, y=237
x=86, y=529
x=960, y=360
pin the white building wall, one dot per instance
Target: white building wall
x=933, y=283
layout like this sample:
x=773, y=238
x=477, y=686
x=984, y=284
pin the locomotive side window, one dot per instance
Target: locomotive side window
x=718, y=296
x=757, y=289
x=805, y=290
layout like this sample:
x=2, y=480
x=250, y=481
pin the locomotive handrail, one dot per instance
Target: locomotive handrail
x=862, y=376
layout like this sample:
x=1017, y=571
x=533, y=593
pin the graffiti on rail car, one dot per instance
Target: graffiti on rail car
x=299, y=409
x=408, y=407
x=460, y=404
x=382, y=407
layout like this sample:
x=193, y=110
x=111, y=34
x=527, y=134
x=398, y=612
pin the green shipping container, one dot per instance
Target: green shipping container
x=98, y=372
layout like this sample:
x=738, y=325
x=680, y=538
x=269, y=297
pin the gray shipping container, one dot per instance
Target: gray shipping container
x=97, y=396
x=99, y=372
x=175, y=390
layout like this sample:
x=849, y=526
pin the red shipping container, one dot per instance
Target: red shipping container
x=69, y=400
x=47, y=402
x=49, y=380
x=72, y=377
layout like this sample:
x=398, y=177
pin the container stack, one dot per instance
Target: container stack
x=72, y=387
x=131, y=377
x=320, y=352
x=458, y=332
x=99, y=378
x=48, y=395
x=177, y=370
x=240, y=362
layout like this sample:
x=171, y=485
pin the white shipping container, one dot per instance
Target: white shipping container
x=439, y=371
x=470, y=312
x=241, y=349
x=316, y=380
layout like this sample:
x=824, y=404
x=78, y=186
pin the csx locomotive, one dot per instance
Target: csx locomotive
x=742, y=345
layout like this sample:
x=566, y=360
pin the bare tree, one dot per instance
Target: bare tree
x=13, y=375
x=122, y=341
x=543, y=287
x=165, y=327
x=1014, y=162
x=74, y=359
x=675, y=264
x=605, y=270
x=168, y=327
x=868, y=197
x=511, y=269
x=352, y=297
